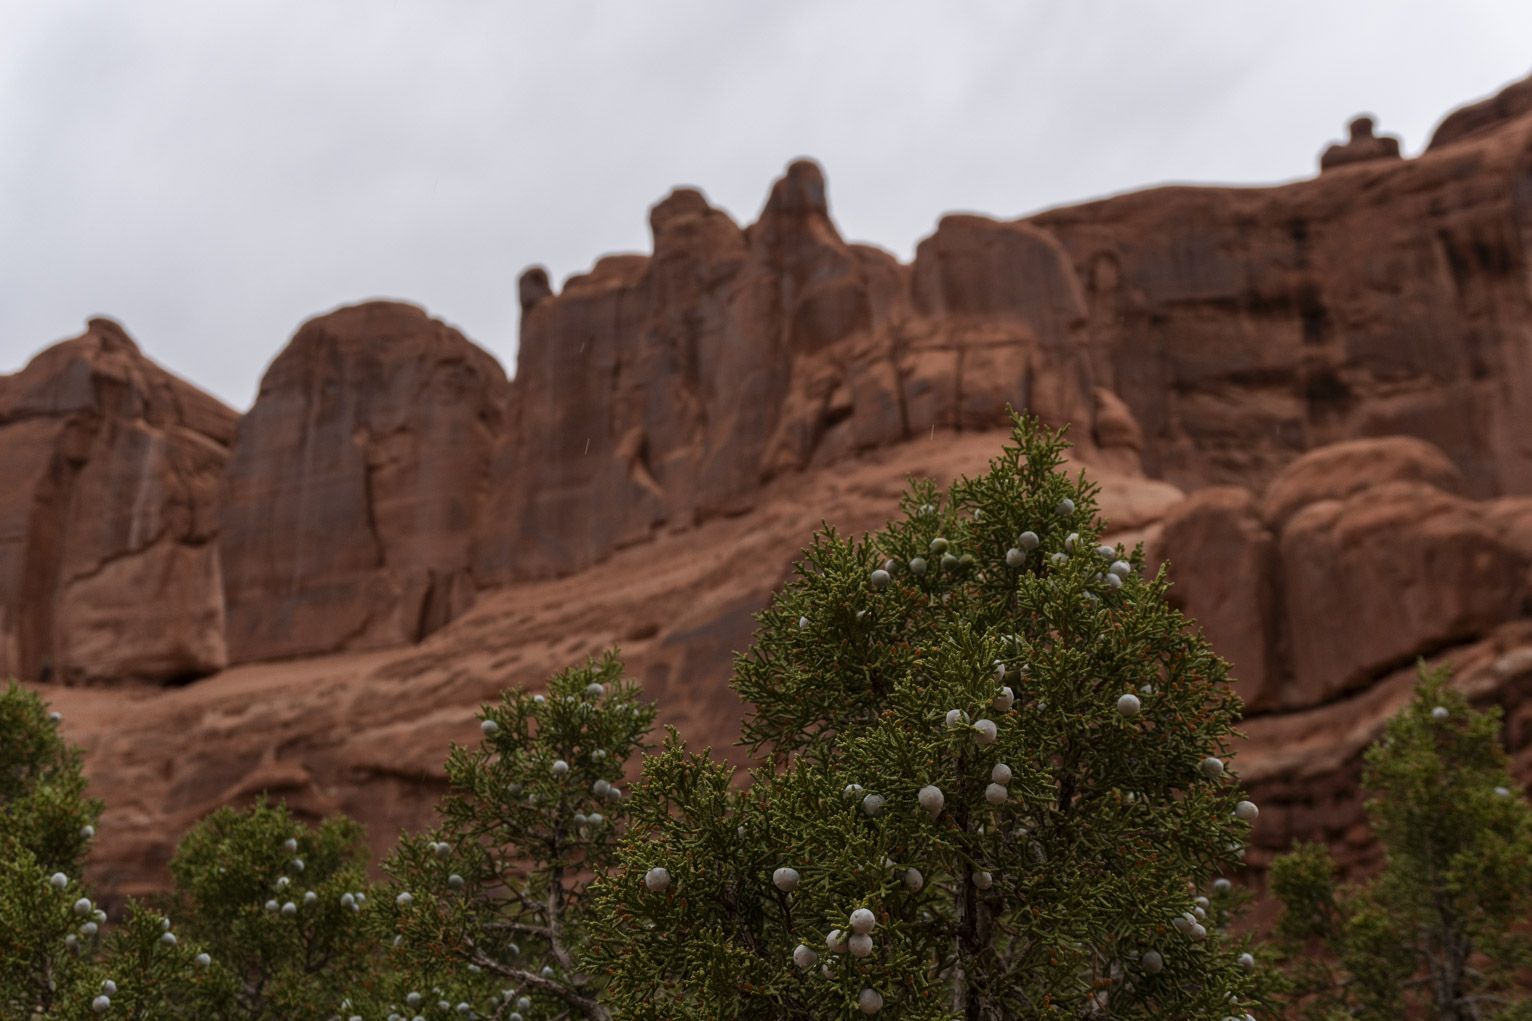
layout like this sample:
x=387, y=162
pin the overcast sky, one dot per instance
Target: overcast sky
x=211, y=174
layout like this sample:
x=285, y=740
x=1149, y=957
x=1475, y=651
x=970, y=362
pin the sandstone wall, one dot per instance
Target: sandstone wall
x=1337, y=371
x=1210, y=336
x=356, y=481
x=109, y=476
x=1244, y=326
x=657, y=391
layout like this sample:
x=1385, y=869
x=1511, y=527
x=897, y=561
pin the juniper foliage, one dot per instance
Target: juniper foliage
x=1442, y=930
x=1057, y=877
x=488, y=912
x=145, y=970
x=46, y=825
x=235, y=954
x=276, y=905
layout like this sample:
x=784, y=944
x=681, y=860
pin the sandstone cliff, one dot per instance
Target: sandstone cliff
x=355, y=484
x=109, y=475
x=1312, y=400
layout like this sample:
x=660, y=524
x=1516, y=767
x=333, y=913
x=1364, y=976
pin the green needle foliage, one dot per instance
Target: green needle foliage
x=145, y=970
x=277, y=906
x=488, y=912
x=46, y=825
x=1442, y=930
x=985, y=730
x=42, y=790
x=237, y=954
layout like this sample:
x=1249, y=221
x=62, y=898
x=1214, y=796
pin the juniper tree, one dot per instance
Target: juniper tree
x=1442, y=929
x=488, y=911
x=46, y=827
x=265, y=904
x=995, y=785
x=276, y=906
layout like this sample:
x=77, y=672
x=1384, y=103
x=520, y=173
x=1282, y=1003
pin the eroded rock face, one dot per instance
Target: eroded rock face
x=1304, y=769
x=1510, y=103
x=1246, y=326
x=356, y=483
x=1337, y=371
x=1391, y=572
x=1359, y=558
x=366, y=733
x=1210, y=335
x=656, y=392
x=1340, y=470
x=1224, y=567
x=109, y=517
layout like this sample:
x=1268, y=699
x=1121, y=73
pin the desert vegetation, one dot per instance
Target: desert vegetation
x=997, y=777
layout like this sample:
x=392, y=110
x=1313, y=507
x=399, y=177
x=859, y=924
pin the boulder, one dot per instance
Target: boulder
x=356, y=483
x=1392, y=572
x=109, y=517
x=1223, y=564
x=1338, y=470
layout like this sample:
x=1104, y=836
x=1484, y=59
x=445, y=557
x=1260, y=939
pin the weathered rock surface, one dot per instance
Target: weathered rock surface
x=109, y=476
x=1211, y=335
x=1361, y=147
x=356, y=483
x=1343, y=469
x=367, y=732
x=1244, y=326
x=1354, y=563
x=1337, y=371
x=1224, y=569
x=1375, y=580
x=1511, y=102
x=1304, y=768
x=658, y=391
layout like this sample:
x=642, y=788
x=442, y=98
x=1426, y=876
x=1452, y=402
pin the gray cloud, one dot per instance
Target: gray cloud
x=213, y=174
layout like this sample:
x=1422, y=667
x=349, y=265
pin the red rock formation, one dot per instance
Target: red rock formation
x=1224, y=568
x=109, y=516
x=1214, y=334
x=1355, y=563
x=1338, y=370
x=1514, y=101
x=656, y=392
x=367, y=732
x=1361, y=147
x=356, y=482
x=1244, y=326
